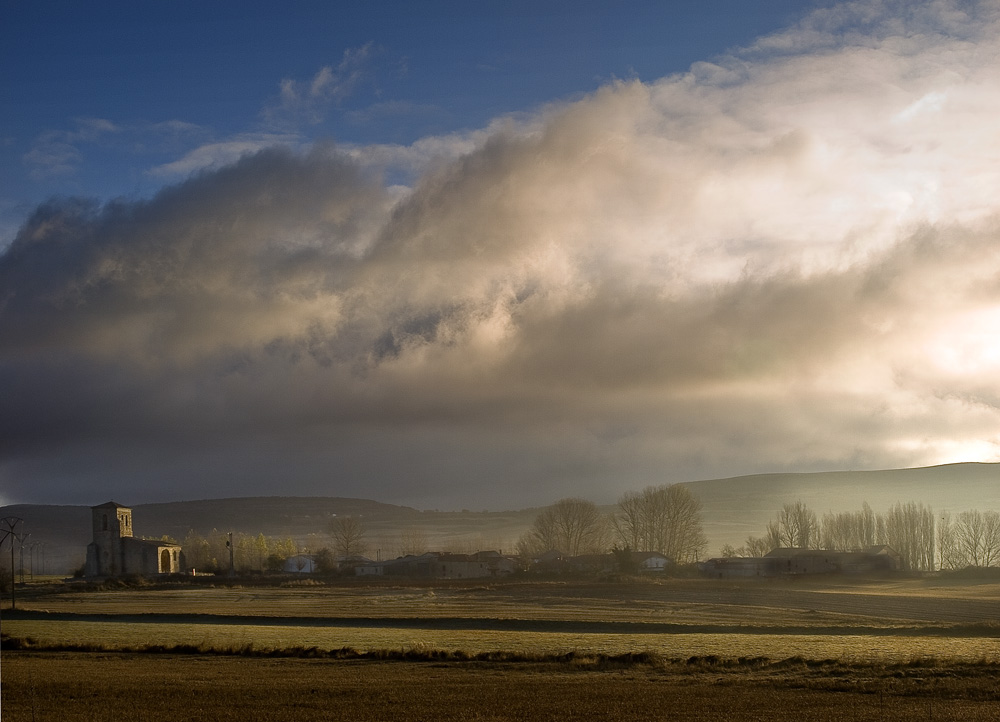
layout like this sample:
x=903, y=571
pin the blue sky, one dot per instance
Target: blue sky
x=97, y=96
x=488, y=255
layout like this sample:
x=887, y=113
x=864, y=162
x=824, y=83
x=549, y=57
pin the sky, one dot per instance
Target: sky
x=489, y=255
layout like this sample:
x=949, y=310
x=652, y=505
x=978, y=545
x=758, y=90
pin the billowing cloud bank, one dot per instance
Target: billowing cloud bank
x=785, y=259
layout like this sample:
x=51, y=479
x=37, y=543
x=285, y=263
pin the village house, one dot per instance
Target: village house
x=650, y=562
x=114, y=552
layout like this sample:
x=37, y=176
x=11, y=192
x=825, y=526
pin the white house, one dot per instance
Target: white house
x=650, y=561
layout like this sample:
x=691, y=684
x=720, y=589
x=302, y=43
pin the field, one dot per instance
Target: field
x=690, y=649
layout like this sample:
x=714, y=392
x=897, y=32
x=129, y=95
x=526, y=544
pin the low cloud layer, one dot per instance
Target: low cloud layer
x=786, y=259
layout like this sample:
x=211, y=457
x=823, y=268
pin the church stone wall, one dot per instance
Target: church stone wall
x=116, y=552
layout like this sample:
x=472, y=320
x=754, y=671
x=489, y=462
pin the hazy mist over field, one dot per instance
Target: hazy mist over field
x=780, y=258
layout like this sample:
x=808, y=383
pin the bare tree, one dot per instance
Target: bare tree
x=756, y=546
x=412, y=541
x=972, y=540
x=348, y=535
x=949, y=555
x=629, y=523
x=870, y=527
x=324, y=560
x=909, y=529
x=987, y=536
x=573, y=526
x=728, y=550
x=795, y=527
x=773, y=536
x=850, y=530
x=665, y=519
x=529, y=545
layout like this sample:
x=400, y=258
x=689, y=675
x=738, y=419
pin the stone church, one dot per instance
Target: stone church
x=115, y=552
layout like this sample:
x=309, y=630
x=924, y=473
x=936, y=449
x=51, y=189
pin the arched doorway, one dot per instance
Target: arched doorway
x=165, y=562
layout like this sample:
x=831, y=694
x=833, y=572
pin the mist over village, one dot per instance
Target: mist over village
x=595, y=332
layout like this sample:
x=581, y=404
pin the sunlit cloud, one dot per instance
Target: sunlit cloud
x=217, y=154
x=785, y=259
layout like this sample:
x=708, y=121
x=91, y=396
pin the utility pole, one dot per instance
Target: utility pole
x=232, y=567
x=9, y=532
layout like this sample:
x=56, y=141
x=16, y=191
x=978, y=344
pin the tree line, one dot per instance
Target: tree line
x=971, y=539
x=664, y=519
x=908, y=528
x=923, y=542
x=258, y=553
x=250, y=553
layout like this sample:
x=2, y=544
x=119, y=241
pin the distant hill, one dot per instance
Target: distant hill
x=737, y=507
x=732, y=509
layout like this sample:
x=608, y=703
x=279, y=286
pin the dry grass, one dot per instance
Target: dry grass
x=852, y=620
x=87, y=686
x=114, y=634
x=675, y=649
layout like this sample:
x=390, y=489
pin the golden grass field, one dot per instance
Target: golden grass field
x=692, y=649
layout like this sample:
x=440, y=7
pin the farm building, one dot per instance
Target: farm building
x=795, y=562
x=433, y=565
x=115, y=552
x=820, y=561
x=874, y=560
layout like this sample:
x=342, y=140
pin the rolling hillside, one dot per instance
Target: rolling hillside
x=737, y=507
